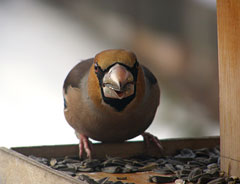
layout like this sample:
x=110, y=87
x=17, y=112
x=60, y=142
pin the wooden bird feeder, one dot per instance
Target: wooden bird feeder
x=17, y=167
x=228, y=15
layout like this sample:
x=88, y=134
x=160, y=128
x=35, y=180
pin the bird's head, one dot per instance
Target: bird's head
x=117, y=74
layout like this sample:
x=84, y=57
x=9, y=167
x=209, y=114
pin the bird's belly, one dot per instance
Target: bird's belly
x=115, y=129
x=109, y=126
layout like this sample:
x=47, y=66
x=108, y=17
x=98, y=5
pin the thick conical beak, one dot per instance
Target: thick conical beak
x=119, y=80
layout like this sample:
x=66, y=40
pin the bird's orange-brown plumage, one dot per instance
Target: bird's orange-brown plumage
x=105, y=59
x=89, y=115
x=108, y=57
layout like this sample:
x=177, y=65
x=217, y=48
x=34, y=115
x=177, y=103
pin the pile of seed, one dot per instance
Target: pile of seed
x=187, y=166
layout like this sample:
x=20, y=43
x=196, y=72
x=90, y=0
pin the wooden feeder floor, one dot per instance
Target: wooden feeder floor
x=17, y=167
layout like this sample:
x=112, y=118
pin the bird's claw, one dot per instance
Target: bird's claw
x=147, y=137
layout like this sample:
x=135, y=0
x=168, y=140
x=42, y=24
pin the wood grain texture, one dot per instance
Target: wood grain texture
x=124, y=150
x=18, y=169
x=14, y=164
x=137, y=178
x=228, y=15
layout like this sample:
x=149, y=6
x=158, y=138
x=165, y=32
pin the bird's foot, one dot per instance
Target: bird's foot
x=147, y=137
x=84, y=144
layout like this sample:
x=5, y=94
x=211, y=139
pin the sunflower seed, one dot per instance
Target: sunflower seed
x=217, y=181
x=161, y=179
x=112, y=169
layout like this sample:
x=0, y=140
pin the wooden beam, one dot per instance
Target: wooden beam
x=18, y=169
x=228, y=15
x=126, y=149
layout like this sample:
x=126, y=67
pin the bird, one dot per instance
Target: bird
x=110, y=98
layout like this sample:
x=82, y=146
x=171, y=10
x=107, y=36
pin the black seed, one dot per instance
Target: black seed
x=122, y=178
x=112, y=169
x=162, y=179
x=217, y=181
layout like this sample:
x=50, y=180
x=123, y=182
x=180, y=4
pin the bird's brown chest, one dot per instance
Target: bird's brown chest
x=106, y=124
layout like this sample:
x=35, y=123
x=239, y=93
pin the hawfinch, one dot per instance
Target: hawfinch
x=110, y=98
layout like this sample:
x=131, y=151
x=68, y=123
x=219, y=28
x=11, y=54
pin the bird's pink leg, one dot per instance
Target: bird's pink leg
x=84, y=144
x=147, y=137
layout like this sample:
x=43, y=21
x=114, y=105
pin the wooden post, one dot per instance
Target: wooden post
x=228, y=15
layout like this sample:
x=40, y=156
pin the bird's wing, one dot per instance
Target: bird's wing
x=152, y=88
x=76, y=74
x=149, y=76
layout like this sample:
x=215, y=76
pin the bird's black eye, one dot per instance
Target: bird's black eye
x=96, y=67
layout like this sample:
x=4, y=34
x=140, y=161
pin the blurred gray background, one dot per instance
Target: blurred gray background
x=41, y=40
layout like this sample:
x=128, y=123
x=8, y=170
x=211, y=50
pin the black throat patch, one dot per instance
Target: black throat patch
x=117, y=104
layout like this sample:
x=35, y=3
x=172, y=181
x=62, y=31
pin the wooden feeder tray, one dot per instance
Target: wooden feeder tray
x=17, y=167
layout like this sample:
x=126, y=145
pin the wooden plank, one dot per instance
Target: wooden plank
x=126, y=149
x=228, y=15
x=16, y=168
x=137, y=178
